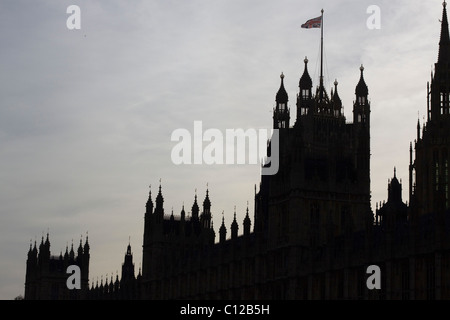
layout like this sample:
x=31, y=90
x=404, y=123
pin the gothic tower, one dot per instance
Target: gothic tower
x=281, y=111
x=166, y=239
x=429, y=171
x=323, y=184
x=46, y=275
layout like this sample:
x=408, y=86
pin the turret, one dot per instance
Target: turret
x=395, y=189
x=440, y=84
x=247, y=223
x=304, y=98
x=71, y=253
x=159, y=209
x=195, y=208
x=361, y=107
x=80, y=252
x=44, y=251
x=128, y=265
x=206, y=215
x=281, y=112
x=336, y=101
x=149, y=204
x=222, y=231
x=86, y=247
x=234, y=226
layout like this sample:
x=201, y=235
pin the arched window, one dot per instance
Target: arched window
x=361, y=100
x=305, y=94
x=444, y=103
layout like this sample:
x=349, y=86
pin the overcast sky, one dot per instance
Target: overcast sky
x=86, y=115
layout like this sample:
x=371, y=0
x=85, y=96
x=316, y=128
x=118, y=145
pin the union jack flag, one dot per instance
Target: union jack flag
x=313, y=23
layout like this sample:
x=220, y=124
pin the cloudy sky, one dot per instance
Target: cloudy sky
x=86, y=115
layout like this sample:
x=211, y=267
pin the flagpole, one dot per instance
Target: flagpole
x=321, y=54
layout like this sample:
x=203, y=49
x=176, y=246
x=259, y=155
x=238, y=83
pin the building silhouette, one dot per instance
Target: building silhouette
x=314, y=232
x=46, y=274
x=127, y=288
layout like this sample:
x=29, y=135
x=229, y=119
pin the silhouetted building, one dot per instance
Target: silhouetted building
x=314, y=231
x=46, y=275
x=127, y=288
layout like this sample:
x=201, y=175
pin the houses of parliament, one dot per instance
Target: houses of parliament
x=313, y=232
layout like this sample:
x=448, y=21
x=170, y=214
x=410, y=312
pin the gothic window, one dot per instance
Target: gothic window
x=361, y=100
x=444, y=96
x=437, y=175
x=305, y=94
x=281, y=124
x=304, y=110
x=445, y=103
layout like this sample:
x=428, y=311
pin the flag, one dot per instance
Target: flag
x=313, y=23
